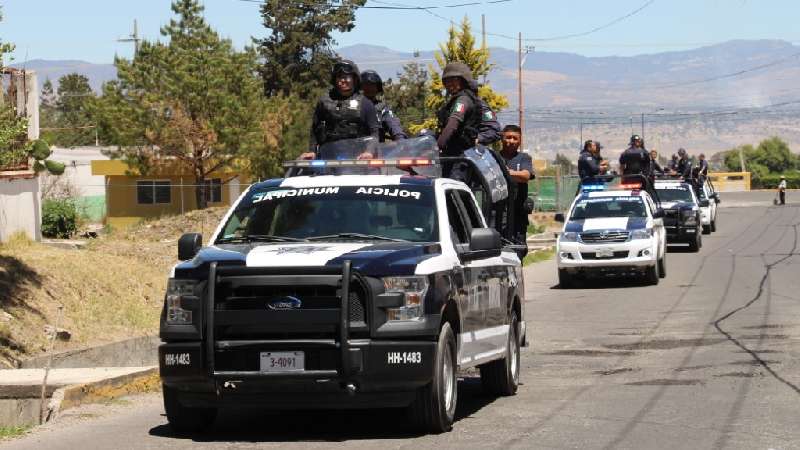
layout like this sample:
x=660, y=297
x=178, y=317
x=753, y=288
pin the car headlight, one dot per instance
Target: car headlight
x=569, y=236
x=645, y=233
x=414, y=289
x=176, y=291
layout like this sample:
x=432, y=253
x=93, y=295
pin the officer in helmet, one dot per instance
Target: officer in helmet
x=590, y=163
x=458, y=119
x=343, y=112
x=635, y=160
x=390, y=128
x=684, y=166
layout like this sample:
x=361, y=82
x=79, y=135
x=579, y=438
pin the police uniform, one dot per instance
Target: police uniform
x=588, y=164
x=338, y=117
x=489, y=129
x=389, y=125
x=635, y=160
x=684, y=167
x=520, y=161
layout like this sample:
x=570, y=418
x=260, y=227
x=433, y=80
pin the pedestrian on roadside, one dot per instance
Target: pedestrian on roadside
x=342, y=112
x=782, y=190
x=520, y=167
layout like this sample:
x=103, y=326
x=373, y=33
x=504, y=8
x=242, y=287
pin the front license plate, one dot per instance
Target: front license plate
x=283, y=361
x=605, y=253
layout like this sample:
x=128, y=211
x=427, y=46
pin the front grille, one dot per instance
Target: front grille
x=603, y=237
x=593, y=255
x=249, y=298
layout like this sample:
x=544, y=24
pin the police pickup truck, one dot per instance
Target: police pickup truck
x=338, y=290
x=704, y=190
x=681, y=212
x=612, y=229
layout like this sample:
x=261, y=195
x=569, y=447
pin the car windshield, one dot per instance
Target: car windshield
x=395, y=212
x=598, y=207
x=676, y=193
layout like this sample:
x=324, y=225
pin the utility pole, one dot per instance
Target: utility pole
x=134, y=37
x=519, y=83
x=642, y=126
x=483, y=38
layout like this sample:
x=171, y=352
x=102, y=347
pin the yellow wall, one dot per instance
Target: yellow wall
x=123, y=209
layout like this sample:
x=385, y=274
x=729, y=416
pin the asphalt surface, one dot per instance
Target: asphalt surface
x=708, y=359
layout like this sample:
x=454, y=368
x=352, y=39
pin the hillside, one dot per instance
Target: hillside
x=111, y=290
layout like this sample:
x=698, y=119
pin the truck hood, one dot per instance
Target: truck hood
x=606, y=223
x=369, y=258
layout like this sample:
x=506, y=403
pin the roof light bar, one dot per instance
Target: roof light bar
x=630, y=186
x=359, y=162
x=594, y=187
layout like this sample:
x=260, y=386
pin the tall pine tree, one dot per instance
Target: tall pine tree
x=195, y=99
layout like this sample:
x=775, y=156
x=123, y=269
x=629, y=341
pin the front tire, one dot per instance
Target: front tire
x=434, y=408
x=694, y=246
x=184, y=419
x=501, y=377
x=564, y=279
x=714, y=225
x=662, y=266
x=706, y=229
x=652, y=274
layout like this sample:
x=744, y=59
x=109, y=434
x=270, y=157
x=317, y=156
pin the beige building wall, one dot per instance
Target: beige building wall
x=20, y=205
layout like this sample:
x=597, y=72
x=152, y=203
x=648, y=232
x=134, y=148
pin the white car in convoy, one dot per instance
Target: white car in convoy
x=611, y=232
x=708, y=212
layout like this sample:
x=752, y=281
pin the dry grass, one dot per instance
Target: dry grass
x=110, y=291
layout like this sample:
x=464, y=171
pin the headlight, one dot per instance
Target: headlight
x=414, y=289
x=176, y=290
x=646, y=233
x=569, y=236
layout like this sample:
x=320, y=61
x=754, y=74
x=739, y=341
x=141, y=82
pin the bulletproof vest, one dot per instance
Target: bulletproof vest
x=636, y=161
x=342, y=118
x=584, y=167
x=467, y=132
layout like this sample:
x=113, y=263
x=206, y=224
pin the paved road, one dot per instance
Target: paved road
x=708, y=359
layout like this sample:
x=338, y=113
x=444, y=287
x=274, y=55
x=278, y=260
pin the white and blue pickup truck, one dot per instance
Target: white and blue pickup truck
x=346, y=291
x=611, y=231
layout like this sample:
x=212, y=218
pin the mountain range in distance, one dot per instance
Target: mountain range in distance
x=562, y=89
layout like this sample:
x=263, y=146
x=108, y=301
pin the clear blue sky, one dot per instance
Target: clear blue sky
x=88, y=29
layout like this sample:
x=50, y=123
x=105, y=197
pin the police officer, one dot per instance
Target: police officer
x=458, y=119
x=489, y=130
x=390, y=127
x=702, y=165
x=589, y=161
x=684, y=165
x=520, y=168
x=635, y=160
x=655, y=167
x=672, y=167
x=343, y=112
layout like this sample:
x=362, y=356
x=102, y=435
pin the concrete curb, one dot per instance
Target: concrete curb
x=146, y=380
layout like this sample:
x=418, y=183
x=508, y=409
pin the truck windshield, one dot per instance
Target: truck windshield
x=405, y=213
x=599, y=207
x=674, y=194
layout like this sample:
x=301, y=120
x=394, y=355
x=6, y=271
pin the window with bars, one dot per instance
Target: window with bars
x=150, y=192
x=213, y=191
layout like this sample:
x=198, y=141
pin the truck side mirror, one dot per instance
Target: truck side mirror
x=559, y=217
x=188, y=245
x=704, y=203
x=483, y=243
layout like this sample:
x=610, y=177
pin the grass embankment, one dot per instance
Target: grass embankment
x=539, y=256
x=109, y=291
x=12, y=432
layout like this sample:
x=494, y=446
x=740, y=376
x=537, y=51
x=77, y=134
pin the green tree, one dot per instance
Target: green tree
x=194, y=99
x=297, y=55
x=460, y=46
x=407, y=95
x=70, y=117
x=770, y=156
x=565, y=163
x=13, y=128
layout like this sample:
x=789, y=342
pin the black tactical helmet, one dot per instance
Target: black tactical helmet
x=348, y=67
x=635, y=138
x=458, y=69
x=370, y=76
x=681, y=152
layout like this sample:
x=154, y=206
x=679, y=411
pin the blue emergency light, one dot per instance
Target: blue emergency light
x=593, y=187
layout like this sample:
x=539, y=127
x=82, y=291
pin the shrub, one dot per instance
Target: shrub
x=59, y=218
x=771, y=181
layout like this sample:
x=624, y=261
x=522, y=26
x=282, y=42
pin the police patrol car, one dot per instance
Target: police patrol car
x=329, y=290
x=708, y=199
x=681, y=212
x=612, y=230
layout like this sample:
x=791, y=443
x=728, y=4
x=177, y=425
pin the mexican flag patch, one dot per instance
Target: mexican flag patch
x=459, y=108
x=488, y=115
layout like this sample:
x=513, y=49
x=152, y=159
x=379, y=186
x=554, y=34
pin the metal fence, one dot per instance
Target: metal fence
x=553, y=193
